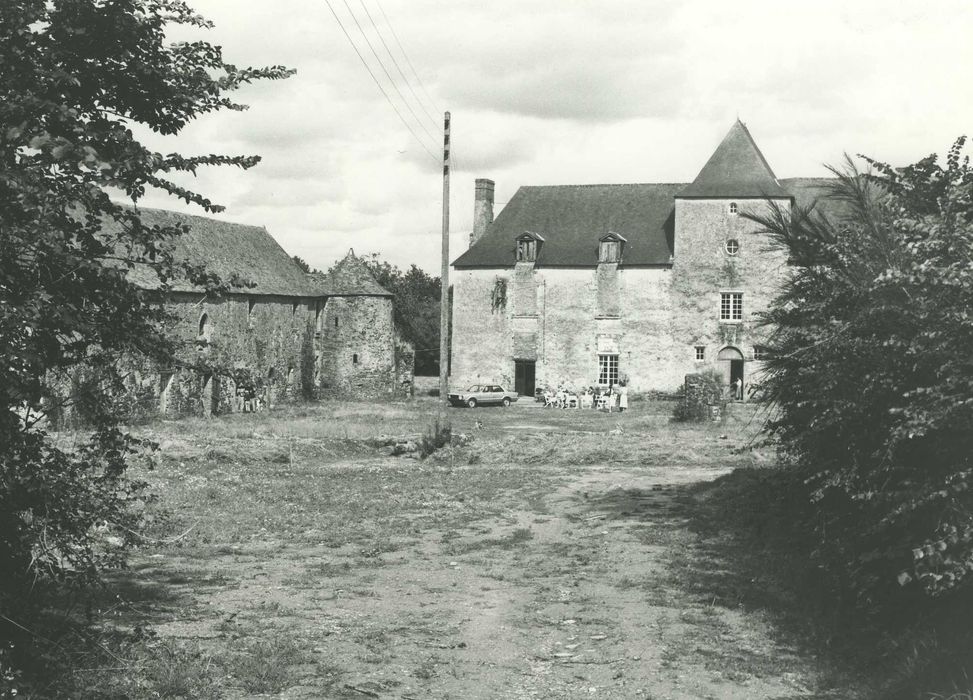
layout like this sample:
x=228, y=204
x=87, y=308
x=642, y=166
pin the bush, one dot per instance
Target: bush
x=705, y=391
x=436, y=436
x=870, y=369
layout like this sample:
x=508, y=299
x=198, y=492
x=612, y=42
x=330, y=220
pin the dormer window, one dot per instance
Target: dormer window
x=528, y=245
x=733, y=207
x=610, y=248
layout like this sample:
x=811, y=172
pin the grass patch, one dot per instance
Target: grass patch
x=752, y=550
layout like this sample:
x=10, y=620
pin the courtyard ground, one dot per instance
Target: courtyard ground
x=556, y=555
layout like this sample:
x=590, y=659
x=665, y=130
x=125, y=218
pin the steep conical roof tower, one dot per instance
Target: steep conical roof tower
x=737, y=169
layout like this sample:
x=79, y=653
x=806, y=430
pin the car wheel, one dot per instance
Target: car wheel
x=471, y=403
x=506, y=401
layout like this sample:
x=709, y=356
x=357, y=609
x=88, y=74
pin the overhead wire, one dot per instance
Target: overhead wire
x=407, y=59
x=386, y=71
x=376, y=81
x=454, y=163
x=405, y=80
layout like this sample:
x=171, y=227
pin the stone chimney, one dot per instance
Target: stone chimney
x=482, y=209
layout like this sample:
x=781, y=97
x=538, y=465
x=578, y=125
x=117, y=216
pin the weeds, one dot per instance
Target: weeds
x=438, y=435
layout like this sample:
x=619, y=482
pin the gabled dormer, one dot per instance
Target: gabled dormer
x=528, y=246
x=611, y=246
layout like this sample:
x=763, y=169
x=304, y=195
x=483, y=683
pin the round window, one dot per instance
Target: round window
x=732, y=246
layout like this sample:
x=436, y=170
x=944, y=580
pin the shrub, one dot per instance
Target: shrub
x=870, y=368
x=437, y=435
x=694, y=405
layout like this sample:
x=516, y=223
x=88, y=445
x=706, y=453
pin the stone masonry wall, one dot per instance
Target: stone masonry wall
x=288, y=347
x=577, y=314
x=356, y=348
x=703, y=269
x=263, y=336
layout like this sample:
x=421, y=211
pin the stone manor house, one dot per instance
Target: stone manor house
x=290, y=335
x=641, y=283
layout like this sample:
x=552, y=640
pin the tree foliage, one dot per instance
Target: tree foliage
x=416, y=308
x=76, y=77
x=872, y=373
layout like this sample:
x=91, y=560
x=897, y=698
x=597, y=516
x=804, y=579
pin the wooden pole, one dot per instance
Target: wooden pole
x=444, y=278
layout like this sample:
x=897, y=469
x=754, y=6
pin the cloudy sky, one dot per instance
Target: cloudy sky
x=556, y=92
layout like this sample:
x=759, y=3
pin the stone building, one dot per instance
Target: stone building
x=286, y=336
x=642, y=283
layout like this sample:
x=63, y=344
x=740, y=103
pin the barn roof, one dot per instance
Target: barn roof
x=737, y=168
x=226, y=249
x=252, y=254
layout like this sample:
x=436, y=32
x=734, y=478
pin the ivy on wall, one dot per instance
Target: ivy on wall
x=498, y=296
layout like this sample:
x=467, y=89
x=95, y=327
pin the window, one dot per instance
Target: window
x=354, y=359
x=526, y=250
x=335, y=321
x=731, y=306
x=294, y=308
x=733, y=207
x=608, y=369
x=610, y=252
x=761, y=352
x=251, y=302
x=700, y=353
x=731, y=246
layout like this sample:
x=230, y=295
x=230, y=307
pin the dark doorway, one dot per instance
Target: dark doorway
x=730, y=362
x=524, y=377
x=736, y=374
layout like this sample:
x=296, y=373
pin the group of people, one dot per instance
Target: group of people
x=611, y=398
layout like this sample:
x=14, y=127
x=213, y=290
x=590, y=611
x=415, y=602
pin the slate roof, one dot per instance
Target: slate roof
x=350, y=277
x=737, y=168
x=252, y=253
x=572, y=219
x=225, y=248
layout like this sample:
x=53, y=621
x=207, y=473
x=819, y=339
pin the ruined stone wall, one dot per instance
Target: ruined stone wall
x=262, y=338
x=562, y=319
x=356, y=348
x=285, y=348
x=703, y=269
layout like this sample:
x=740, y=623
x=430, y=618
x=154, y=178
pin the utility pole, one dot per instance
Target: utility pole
x=444, y=278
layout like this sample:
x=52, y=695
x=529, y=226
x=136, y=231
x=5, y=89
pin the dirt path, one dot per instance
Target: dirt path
x=570, y=595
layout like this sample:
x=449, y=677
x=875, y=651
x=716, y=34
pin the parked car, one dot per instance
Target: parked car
x=483, y=394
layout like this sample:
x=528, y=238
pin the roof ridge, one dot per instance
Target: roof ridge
x=605, y=184
x=205, y=217
x=753, y=142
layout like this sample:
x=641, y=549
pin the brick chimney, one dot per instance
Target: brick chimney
x=482, y=209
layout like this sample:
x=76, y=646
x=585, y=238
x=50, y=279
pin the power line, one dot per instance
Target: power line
x=379, y=85
x=407, y=59
x=387, y=74
x=456, y=163
x=408, y=83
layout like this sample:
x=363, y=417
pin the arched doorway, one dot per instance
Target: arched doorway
x=730, y=363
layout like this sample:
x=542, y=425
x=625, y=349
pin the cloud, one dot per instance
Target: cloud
x=545, y=92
